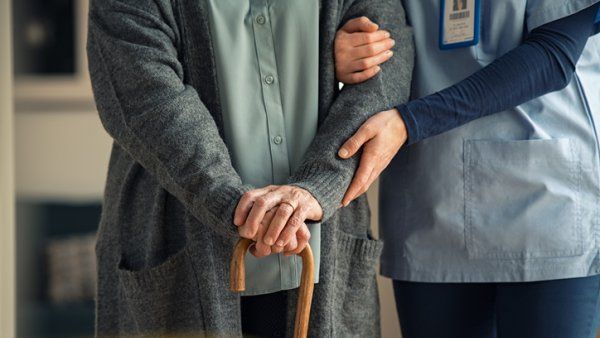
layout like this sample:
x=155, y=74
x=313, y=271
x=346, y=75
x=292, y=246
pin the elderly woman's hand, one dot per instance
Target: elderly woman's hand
x=295, y=245
x=274, y=217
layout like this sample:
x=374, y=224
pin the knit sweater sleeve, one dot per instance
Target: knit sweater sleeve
x=148, y=109
x=323, y=173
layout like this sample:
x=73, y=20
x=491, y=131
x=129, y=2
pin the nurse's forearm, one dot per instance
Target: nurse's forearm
x=544, y=63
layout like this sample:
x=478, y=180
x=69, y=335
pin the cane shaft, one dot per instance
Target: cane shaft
x=237, y=283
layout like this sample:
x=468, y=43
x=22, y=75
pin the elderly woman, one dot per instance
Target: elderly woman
x=206, y=101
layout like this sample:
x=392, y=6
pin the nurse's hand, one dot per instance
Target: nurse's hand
x=381, y=136
x=359, y=50
x=283, y=208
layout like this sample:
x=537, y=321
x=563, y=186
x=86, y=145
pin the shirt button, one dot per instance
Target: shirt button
x=269, y=79
x=261, y=19
x=277, y=139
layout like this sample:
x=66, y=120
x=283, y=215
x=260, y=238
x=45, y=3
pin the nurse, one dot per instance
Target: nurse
x=491, y=212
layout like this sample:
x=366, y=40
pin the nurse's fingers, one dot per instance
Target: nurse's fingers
x=365, y=133
x=245, y=204
x=361, y=24
x=374, y=175
x=361, y=38
x=371, y=49
x=378, y=165
x=366, y=63
x=361, y=177
x=358, y=77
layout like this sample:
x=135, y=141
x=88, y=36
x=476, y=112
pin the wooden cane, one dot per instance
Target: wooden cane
x=237, y=283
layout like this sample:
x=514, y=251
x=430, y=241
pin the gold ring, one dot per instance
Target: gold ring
x=290, y=204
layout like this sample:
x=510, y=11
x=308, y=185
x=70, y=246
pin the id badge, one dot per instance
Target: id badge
x=459, y=23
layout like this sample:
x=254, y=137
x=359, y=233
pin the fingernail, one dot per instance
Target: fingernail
x=268, y=240
x=280, y=243
x=378, y=69
x=341, y=206
x=387, y=34
x=389, y=53
x=393, y=42
x=343, y=152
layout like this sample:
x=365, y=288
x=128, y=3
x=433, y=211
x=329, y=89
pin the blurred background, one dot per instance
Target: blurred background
x=61, y=154
x=54, y=158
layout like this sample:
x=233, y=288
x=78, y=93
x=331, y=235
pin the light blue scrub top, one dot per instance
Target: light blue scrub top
x=511, y=197
x=267, y=62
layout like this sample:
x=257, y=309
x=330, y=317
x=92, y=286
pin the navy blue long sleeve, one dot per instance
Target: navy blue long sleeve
x=543, y=63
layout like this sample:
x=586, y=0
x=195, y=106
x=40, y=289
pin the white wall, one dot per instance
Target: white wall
x=7, y=283
x=61, y=155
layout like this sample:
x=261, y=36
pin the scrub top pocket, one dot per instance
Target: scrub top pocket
x=522, y=199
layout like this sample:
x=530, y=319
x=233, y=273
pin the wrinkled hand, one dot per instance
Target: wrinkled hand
x=275, y=217
x=296, y=244
x=381, y=136
x=359, y=50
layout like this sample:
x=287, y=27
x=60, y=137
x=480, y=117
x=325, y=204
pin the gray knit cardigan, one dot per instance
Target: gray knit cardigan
x=166, y=232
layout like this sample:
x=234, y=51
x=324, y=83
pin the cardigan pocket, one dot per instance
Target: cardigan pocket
x=356, y=303
x=522, y=199
x=164, y=300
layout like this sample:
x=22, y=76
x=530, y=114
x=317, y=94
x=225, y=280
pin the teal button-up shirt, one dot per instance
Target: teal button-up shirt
x=266, y=55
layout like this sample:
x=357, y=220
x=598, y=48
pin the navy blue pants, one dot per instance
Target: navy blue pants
x=567, y=308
